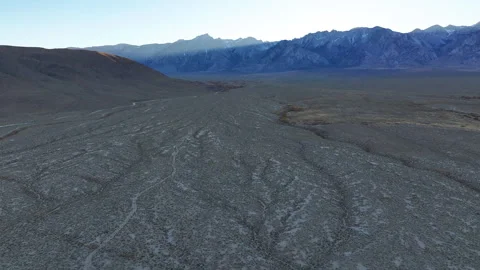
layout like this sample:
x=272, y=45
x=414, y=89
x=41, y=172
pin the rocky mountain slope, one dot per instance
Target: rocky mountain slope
x=202, y=53
x=436, y=46
x=40, y=80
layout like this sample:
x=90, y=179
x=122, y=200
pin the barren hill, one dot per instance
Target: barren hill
x=41, y=80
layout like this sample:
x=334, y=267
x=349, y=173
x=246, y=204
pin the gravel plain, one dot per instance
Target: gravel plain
x=217, y=181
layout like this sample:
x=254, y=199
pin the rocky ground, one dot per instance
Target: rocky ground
x=219, y=181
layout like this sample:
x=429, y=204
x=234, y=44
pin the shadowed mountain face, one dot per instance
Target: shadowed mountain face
x=202, y=53
x=462, y=48
x=451, y=46
x=40, y=80
x=196, y=45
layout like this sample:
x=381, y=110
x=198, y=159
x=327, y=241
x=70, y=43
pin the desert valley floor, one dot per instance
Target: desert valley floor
x=334, y=174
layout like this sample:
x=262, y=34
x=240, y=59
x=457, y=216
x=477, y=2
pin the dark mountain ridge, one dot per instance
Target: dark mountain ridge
x=377, y=47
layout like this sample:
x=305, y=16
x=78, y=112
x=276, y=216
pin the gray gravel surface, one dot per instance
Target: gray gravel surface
x=216, y=182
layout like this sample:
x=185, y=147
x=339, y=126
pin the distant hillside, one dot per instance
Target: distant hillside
x=40, y=80
x=377, y=47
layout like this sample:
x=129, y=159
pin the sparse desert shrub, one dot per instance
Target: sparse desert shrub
x=224, y=86
x=294, y=108
x=470, y=97
x=289, y=108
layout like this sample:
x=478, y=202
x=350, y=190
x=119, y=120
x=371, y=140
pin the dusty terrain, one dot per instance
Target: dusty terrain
x=293, y=171
x=36, y=80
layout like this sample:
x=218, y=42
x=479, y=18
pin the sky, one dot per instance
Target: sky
x=82, y=23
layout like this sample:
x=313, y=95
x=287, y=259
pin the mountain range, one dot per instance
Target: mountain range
x=377, y=47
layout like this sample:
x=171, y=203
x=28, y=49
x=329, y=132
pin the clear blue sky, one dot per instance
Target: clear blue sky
x=80, y=23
